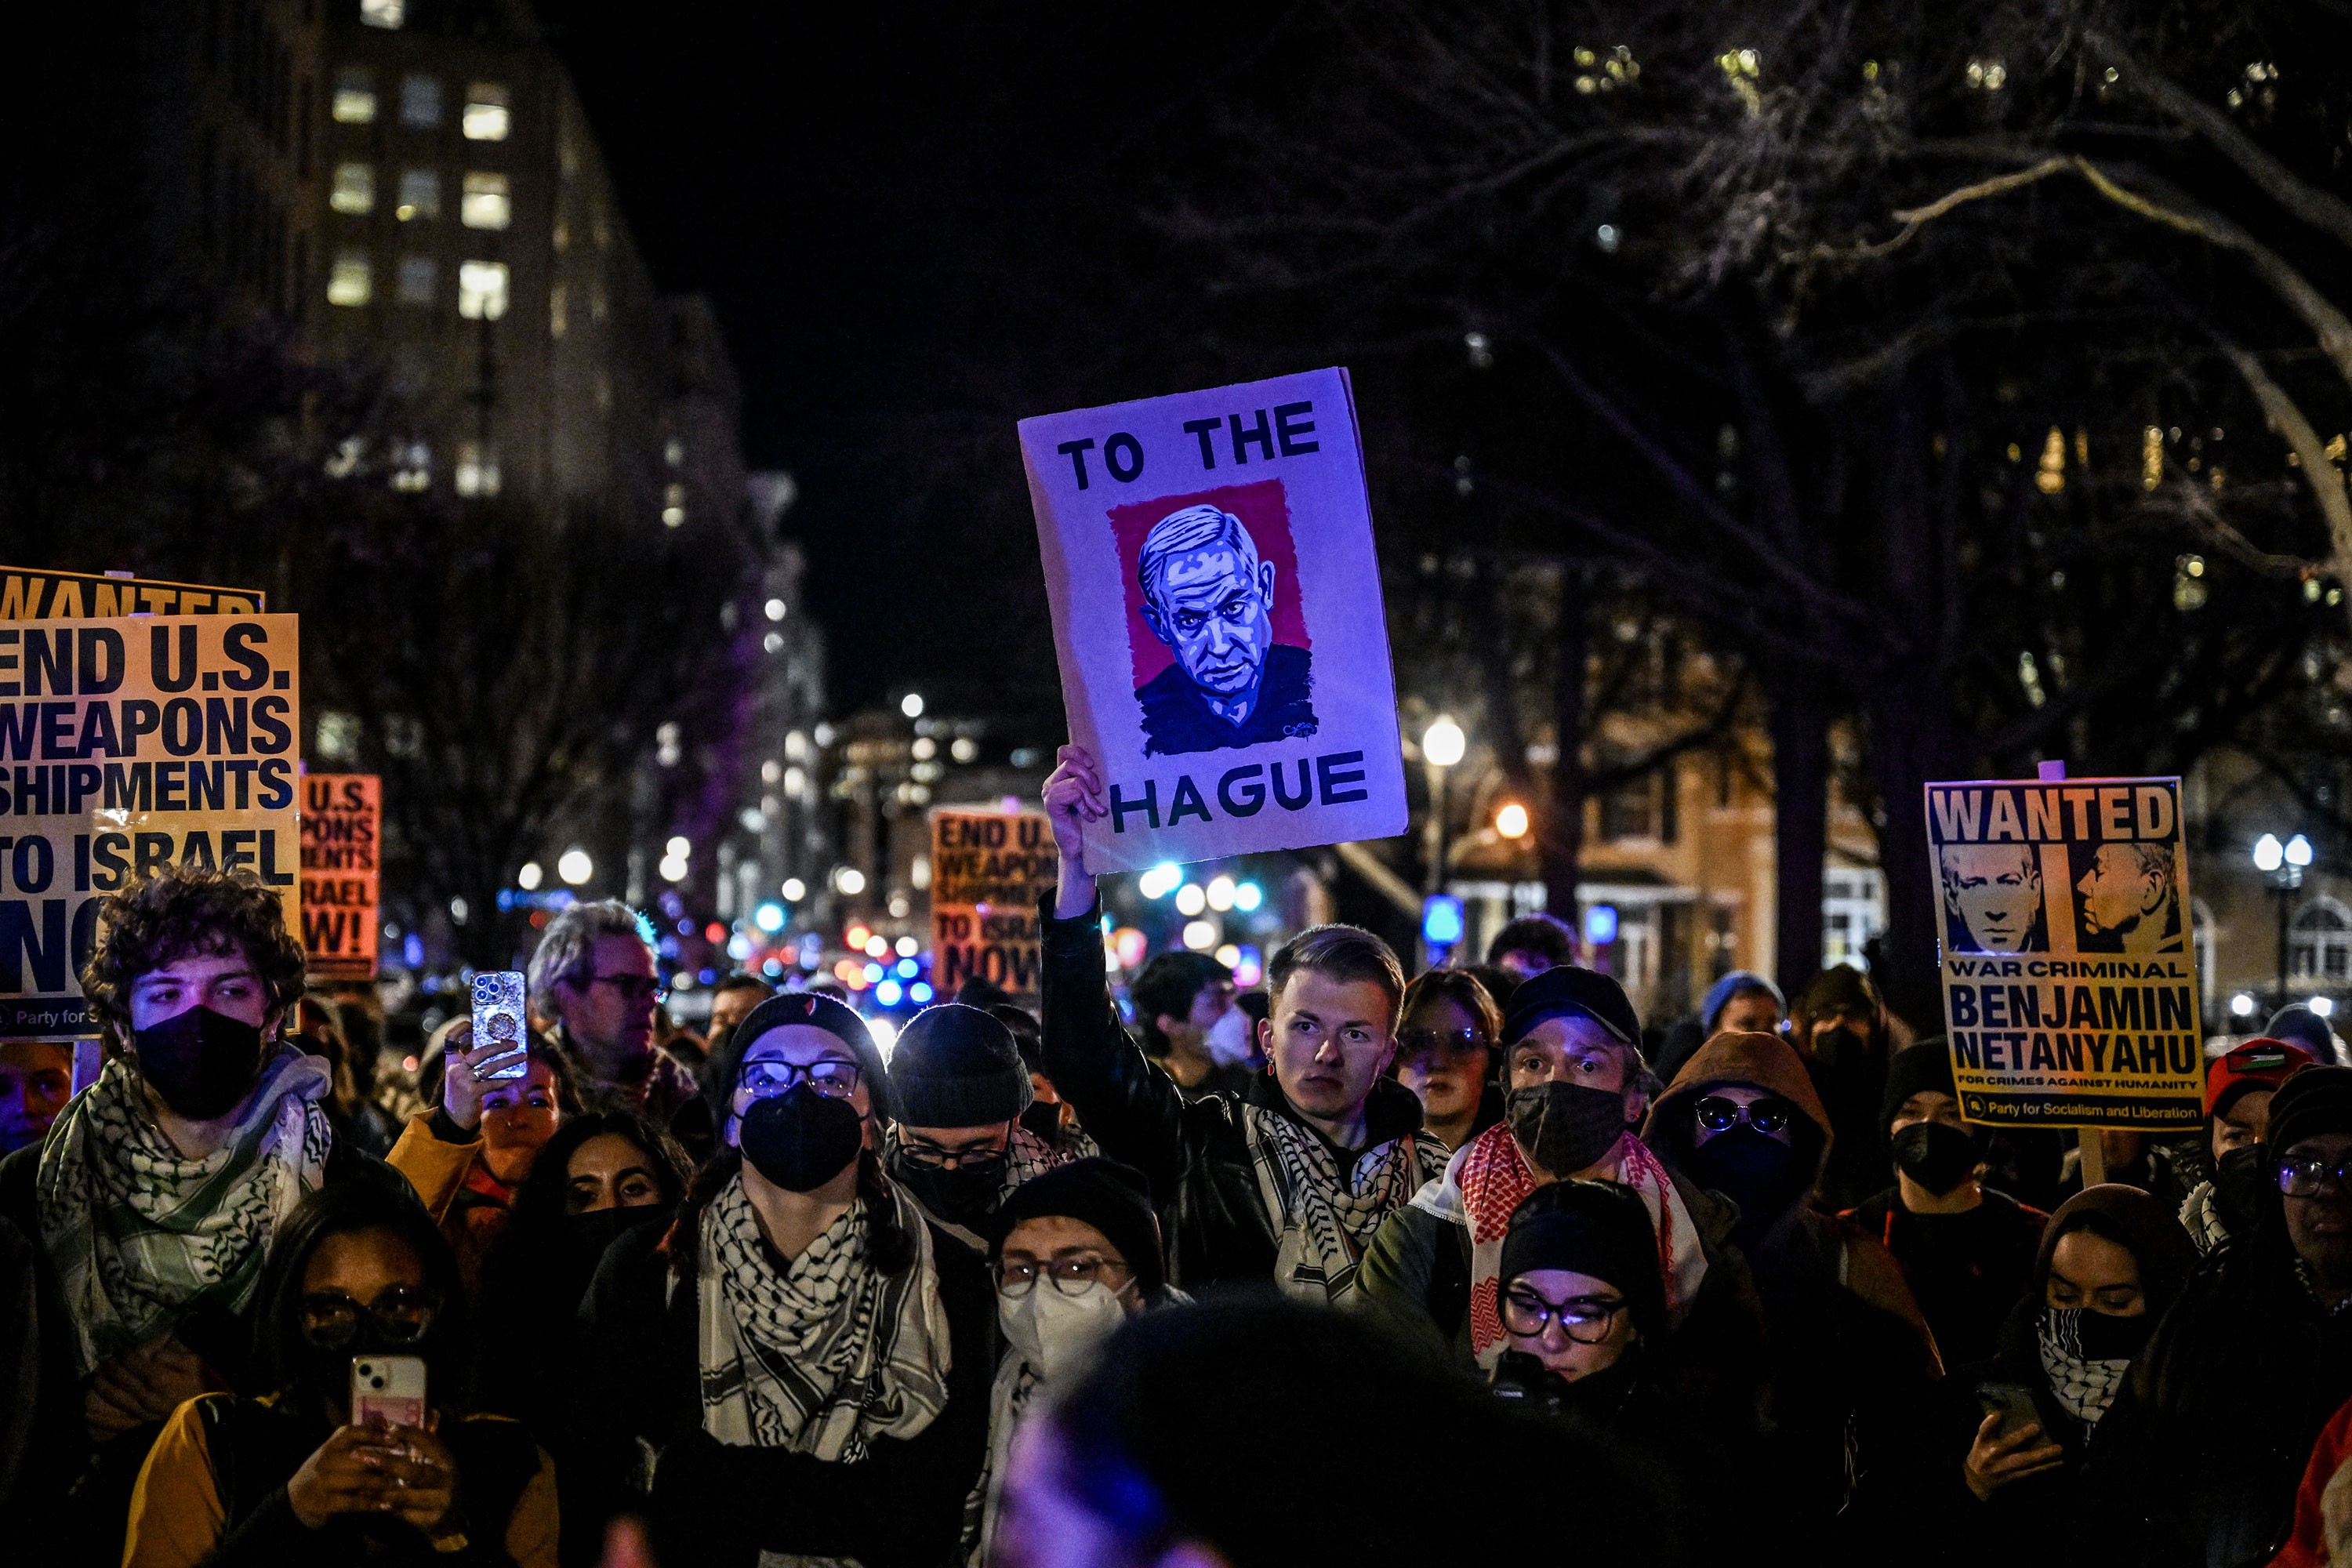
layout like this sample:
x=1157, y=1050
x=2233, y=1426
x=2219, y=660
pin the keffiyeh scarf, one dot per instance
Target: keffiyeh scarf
x=1029, y=1156
x=1489, y=1178
x=829, y=1353
x=2201, y=1216
x=142, y=1236
x=2084, y=1388
x=1322, y=1221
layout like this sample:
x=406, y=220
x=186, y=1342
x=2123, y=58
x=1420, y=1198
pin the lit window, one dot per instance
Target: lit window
x=420, y=195
x=557, y=307
x=482, y=289
x=389, y=14
x=485, y=119
x=674, y=505
x=412, y=466
x=420, y=101
x=485, y=204
x=355, y=96
x=674, y=452
x=416, y=280
x=347, y=281
x=354, y=190
x=477, y=469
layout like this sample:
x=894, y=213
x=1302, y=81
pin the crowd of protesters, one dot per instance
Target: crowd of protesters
x=1184, y=1285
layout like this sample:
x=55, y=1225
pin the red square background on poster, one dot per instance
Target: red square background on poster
x=1263, y=510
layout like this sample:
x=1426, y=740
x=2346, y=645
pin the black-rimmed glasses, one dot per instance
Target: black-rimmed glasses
x=765, y=1080
x=1071, y=1276
x=1717, y=1114
x=1584, y=1319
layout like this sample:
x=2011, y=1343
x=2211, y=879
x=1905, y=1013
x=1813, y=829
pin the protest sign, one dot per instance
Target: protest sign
x=342, y=818
x=29, y=594
x=2070, y=979
x=126, y=746
x=1217, y=612
x=988, y=868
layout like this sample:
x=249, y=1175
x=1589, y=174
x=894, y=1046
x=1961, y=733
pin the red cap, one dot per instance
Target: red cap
x=2263, y=1063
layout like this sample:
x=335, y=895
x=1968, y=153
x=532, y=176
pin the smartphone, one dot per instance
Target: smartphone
x=499, y=1021
x=2013, y=1402
x=388, y=1387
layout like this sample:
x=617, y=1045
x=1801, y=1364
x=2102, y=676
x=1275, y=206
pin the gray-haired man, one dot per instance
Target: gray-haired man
x=594, y=973
x=1209, y=597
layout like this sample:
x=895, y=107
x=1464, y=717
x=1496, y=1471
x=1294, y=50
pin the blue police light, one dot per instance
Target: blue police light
x=873, y=973
x=919, y=993
x=906, y=968
x=1441, y=920
x=1600, y=924
x=769, y=916
x=1247, y=897
x=887, y=993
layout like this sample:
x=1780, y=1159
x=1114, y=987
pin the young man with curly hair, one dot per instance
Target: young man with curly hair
x=153, y=1198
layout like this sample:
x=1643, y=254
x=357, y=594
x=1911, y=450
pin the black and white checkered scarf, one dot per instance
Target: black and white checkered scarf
x=827, y=1354
x=1322, y=1222
x=2085, y=1388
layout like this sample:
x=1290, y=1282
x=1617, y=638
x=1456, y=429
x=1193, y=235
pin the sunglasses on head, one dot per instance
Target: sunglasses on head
x=1717, y=1114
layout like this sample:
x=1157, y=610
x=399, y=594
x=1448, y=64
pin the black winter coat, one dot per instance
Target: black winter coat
x=2197, y=1463
x=712, y=1503
x=1195, y=1153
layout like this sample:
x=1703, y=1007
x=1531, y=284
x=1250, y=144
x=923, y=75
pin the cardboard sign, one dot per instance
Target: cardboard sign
x=1217, y=611
x=28, y=594
x=342, y=819
x=126, y=746
x=2070, y=977
x=988, y=869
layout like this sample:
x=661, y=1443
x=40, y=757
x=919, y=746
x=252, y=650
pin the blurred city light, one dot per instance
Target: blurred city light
x=849, y=880
x=574, y=865
x=1221, y=893
x=1511, y=822
x=530, y=877
x=1160, y=880
x=1247, y=897
x=911, y=706
x=1189, y=900
x=1443, y=743
x=769, y=916
x=1200, y=936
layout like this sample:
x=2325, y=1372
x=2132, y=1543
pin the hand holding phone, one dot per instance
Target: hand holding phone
x=498, y=1022
x=2010, y=1443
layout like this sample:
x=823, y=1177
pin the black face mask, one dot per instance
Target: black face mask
x=2102, y=1335
x=962, y=1196
x=1758, y=1173
x=1841, y=1047
x=588, y=1235
x=1565, y=1127
x=201, y=1062
x=1936, y=1156
x=2239, y=1177
x=801, y=1140
x=1042, y=1118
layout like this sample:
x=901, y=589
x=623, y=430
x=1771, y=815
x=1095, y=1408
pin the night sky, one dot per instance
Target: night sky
x=885, y=201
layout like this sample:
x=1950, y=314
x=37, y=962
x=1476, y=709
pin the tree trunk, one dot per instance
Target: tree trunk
x=1913, y=740
x=1800, y=724
x=1563, y=827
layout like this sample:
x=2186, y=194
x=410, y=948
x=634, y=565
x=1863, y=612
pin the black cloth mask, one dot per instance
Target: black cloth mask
x=589, y=1235
x=200, y=1061
x=2239, y=1177
x=2104, y=1336
x=801, y=1140
x=1565, y=1127
x=1754, y=1170
x=1937, y=1156
x=964, y=1196
x=1841, y=1047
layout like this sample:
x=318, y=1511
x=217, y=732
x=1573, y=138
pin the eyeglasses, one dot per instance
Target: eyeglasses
x=932, y=1157
x=1417, y=1042
x=1717, y=1114
x=765, y=1080
x=1071, y=1276
x=634, y=987
x=401, y=1313
x=1584, y=1319
x=2302, y=1178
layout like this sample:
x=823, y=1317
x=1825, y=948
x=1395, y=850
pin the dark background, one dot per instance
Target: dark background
x=887, y=204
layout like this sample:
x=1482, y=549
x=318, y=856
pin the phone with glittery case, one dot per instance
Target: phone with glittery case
x=498, y=1020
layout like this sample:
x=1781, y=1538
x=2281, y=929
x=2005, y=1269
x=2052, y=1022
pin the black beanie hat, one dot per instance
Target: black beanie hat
x=2315, y=1101
x=1568, y=991
x=1914, y=1070
x=1591, y=1227
x=815, y=1010
x=956, y=1066
x=1113, y=1198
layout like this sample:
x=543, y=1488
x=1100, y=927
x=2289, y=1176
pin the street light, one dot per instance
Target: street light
x=1441, y=746
x=2284, y=865
x=1511, y=821
x=574, y=865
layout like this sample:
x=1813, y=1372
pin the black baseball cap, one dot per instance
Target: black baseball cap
x=1564, y=990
